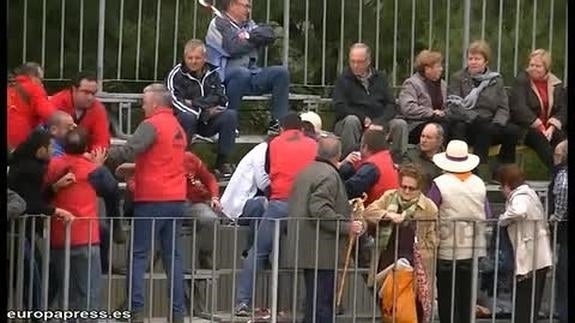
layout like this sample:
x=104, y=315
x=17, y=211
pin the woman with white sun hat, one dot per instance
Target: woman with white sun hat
x=463, y=207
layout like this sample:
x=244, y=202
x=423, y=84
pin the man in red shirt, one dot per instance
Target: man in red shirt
x=79, y=100
x=287, y=155
x=158, y=147
x=27, y=103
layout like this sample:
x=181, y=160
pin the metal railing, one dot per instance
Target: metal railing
x=211, y=286
x=140, y=40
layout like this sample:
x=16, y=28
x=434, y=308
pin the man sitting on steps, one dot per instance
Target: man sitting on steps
x=200, y=103
x=234, y=42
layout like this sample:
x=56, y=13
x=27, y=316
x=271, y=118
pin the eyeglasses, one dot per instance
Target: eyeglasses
x=409, y=188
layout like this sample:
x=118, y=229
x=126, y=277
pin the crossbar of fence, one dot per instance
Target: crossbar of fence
x=122, y=55
x=309, y=267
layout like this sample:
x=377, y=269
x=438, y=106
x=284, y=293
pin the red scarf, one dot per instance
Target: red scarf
x=541, y=86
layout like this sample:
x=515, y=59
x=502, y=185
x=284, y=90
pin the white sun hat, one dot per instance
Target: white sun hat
x=456, y=158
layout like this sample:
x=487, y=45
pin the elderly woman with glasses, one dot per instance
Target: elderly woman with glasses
x=408, y=216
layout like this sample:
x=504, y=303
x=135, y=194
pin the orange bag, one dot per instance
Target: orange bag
x=405, y=311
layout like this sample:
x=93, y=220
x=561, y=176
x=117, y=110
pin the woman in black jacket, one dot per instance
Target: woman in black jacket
x=538, y=104
x=28, y=165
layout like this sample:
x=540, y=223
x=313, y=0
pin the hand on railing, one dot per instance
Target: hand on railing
x=215, y=204
x=394, y=217
x=64, y=215
x=357, y=228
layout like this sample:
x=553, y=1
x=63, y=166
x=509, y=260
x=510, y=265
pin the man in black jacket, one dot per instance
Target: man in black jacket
x=200, y=102
x=362, y=96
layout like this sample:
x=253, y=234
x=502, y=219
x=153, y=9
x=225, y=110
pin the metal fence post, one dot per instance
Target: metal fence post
x=275, y=270
x=466, y=26
x=100, y=58
x=285, y=59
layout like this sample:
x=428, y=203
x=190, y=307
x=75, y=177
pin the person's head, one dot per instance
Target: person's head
x=313, y=118
x=156, y=95
x=37, y=145
x=373, y=141
x=84, y=88
x=428, y=64
x=76, y=142
x=431, y=138
x=239, y=10
x=411, y=180
x=359, y=59
x=329, y=148
x=32, y=70
x=510, y=176
x=539, y=64
x=195, y=55
x=560, y=153
x=478, y=55
x=291, y=122
x=60, y=123
x=308, y=129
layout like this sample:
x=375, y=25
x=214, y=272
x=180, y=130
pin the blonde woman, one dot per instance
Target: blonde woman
x=415, y=217
x=538, y=104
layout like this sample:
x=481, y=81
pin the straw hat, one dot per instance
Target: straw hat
x=456, y=158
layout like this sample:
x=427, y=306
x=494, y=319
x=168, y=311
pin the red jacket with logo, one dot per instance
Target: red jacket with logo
x=388, y=176
x=160, y=175
x=289, y=154
x=28, y=107
x=79, y=198
x=94, y=119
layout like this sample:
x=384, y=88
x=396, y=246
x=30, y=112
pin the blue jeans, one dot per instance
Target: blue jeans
x=277, y=209
x=242, y=81
x=254, y=209
x=324, y=295
x=164, y=212
x=224, y=124
x=84, y=267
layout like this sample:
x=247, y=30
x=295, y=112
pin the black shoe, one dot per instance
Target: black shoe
x=274, y=128
x=225, y=171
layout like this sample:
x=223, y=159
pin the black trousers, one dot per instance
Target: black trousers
x=462, y=299
x=544, y=148
x=482, y=133
x=523, y=297
x=324, y=295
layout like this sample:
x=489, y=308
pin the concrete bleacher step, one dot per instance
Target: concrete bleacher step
x=242, y=139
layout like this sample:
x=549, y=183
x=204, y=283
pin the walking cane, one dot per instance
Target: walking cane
x=357, y=214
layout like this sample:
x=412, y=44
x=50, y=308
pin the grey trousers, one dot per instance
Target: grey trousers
x=350, y=129
x=206, y=220
x=85, y=277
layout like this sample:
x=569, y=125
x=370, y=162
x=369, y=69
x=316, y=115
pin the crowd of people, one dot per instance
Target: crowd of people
x=425, y=206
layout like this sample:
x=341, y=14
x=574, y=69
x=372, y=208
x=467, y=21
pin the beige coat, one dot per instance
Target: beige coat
x=527, y=230
x=426, y=232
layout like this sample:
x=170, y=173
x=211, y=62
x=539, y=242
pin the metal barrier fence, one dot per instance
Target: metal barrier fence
x=140, y=40
x=43, y=278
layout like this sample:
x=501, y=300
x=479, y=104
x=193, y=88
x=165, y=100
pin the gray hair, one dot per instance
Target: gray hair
x=161, y=93
x=329, y=147
x=193, y=44
x=440, y=131
x=362, y=46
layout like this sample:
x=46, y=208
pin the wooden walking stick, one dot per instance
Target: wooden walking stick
x=357, y=214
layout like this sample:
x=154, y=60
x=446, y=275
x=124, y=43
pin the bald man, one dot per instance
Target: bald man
x=362, y=96
x=430, y=143
x=59, y=125
x=319, y=198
